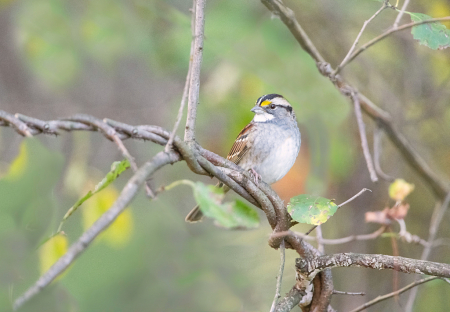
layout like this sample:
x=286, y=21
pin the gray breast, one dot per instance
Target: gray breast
x=274, y=150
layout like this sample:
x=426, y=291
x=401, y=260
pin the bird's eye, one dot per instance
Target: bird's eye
x=273, y=106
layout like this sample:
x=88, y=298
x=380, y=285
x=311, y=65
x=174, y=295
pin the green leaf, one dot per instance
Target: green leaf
x=311, y=209
x=116, y=169
x=230, y=215
x=433, y=35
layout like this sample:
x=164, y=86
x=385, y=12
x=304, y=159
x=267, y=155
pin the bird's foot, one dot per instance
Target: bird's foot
x=256, y=176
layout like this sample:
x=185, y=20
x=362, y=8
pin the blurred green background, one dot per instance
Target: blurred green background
x=127, y=60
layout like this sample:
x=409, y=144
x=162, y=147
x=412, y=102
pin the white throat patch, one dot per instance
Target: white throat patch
x=263, y=117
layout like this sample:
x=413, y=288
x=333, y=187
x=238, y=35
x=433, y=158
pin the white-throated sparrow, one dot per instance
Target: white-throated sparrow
x=268, y=145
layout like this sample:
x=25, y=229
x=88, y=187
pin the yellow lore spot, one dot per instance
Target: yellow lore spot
x=265, y=103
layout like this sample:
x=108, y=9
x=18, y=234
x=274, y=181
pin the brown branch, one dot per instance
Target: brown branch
x=385, y=35
x=194, y=84
x=310, y=267
x=363, y=136
x=393, y=294
x=288, y=17
x=384, y=118
x=126, y=196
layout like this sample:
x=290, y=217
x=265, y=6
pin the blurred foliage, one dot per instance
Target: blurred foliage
x=90, y=56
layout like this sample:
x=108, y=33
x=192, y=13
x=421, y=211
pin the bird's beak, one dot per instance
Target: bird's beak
x=257, y=110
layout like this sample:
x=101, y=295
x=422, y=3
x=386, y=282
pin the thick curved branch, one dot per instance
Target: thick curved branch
x=310, y=267
x=384, y=118
x=126, y=196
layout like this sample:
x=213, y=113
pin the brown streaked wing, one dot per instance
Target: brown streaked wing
x=241, y=144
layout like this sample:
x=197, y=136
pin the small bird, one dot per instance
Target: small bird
x=267, y=146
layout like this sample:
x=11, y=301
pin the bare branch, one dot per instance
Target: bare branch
x=279, y=277
x=400, y=14
x=363, y=136
x=393, y=294
x=290, y=301
x=194, y=84
x=384, y=118
x=337, y=292
x=288, y=17
x=384, y=6
x=310, y=267
x=19, y=126
x=376, y=154
x=385, y=35
x=128, y=193
x=343, y=240
x=436, y=218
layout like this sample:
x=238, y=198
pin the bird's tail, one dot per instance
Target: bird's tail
x=196, y=215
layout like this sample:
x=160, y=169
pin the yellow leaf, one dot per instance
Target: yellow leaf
x=399, y=189
x=120, y=231
x=51, y=251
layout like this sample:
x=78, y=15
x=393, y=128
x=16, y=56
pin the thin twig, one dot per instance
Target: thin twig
x=185, y=91
x=362, y=133
x=112, y=134
x=194, y=84
x=384, y=6
x=436, y=218
x=128, y=193
x=383, y=36
x=400, y=14
x=393, y=294
x=354, y=197
x=319, y=238
x=338, y=241
x=279, y=277
x=337, y=292
x=376, y=154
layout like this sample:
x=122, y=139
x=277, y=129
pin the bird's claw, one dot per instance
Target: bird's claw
x=256, y=176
